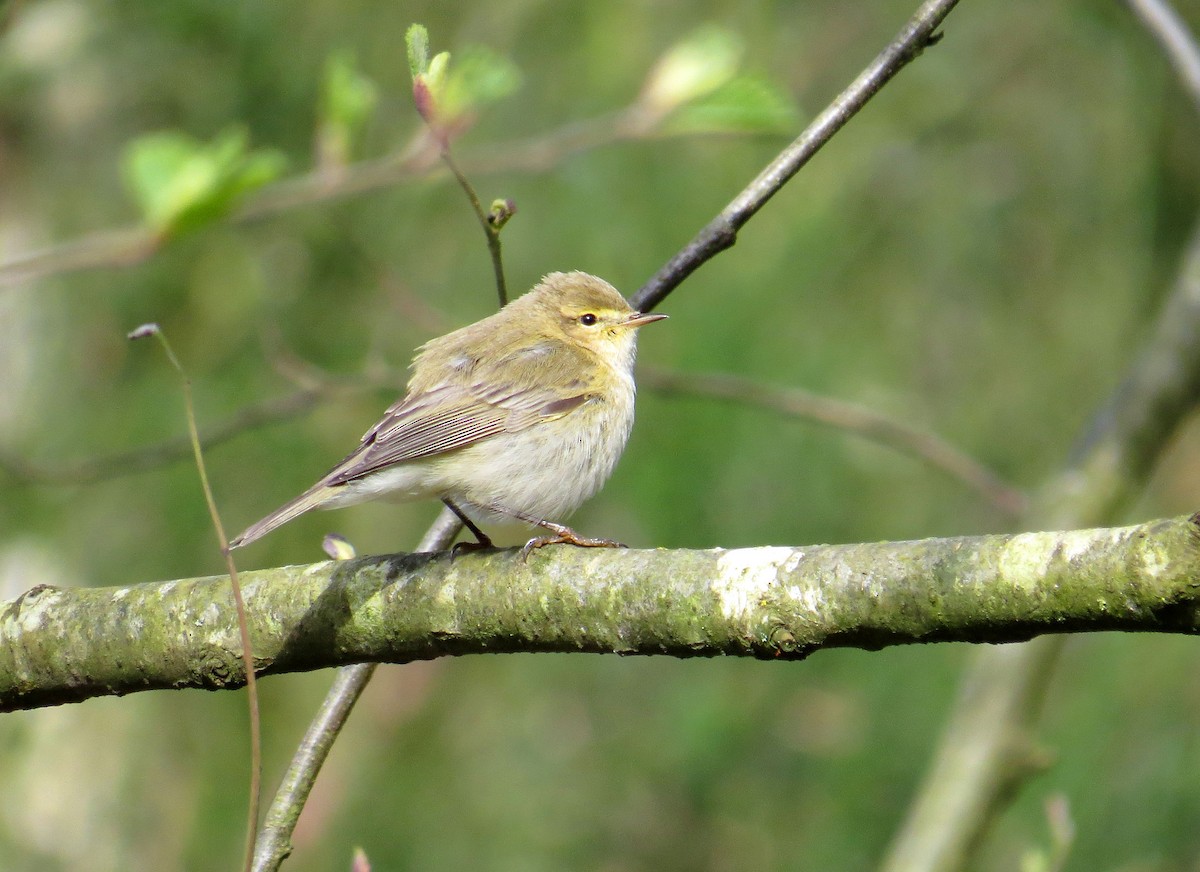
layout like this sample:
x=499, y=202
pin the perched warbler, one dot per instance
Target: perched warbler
x=522, y=415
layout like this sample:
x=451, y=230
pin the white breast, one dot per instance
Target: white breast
x=549, y=469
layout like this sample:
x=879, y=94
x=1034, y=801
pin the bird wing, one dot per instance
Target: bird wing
x=462, y=411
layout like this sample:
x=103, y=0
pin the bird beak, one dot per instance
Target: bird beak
x=639, y=319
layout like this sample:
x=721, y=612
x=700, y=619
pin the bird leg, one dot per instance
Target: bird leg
x=482, y=542
x=561, y=533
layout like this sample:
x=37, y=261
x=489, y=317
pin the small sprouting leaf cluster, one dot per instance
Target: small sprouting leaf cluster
x=447, y=97
x=181, y=183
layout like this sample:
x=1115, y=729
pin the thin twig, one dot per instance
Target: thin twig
x=721, y=233
x=275, y=839
x=169, y=451
x=235, y=584
x=490, y=231
x=1176, y=40
x=848, y=417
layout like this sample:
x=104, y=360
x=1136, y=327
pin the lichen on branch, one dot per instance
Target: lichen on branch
x=62, y=645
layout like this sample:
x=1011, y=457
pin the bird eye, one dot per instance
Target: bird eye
x=588, y=319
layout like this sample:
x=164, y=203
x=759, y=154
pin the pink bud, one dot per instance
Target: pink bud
x=423, y=97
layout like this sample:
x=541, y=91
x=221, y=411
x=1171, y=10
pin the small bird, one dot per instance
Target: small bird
x=522, y=415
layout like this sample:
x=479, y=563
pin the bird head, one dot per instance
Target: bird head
x=589, y=312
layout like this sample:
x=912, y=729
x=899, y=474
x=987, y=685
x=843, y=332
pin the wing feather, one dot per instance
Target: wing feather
x=453, y=415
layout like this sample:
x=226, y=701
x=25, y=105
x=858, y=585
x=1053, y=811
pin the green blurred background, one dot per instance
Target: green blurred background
x=979, y=253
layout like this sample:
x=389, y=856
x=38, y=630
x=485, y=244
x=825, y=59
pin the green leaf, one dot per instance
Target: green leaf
x=435, y=76
x=746, y=104
x=181, y=183
x=347, y=102
x=349, y=96
x=478, y=77
x=416, y=39
x=697, y=65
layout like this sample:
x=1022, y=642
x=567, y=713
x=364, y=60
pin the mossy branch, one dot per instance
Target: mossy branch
x=66, y=645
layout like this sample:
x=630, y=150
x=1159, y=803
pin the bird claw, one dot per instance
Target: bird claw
x=468, y=547
x=569, y=537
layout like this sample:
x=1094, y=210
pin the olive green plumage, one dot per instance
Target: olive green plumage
x=523, y=414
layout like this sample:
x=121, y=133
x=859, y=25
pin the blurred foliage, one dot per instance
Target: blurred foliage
x=182, y=184
x=347, y=103
x=979, y=253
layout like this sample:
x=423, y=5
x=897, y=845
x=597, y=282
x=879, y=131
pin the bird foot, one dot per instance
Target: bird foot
x=566, y=535
x=482, y=541
x=458, y=548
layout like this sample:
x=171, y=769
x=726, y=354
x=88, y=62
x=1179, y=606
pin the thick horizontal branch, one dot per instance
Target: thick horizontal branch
x=64, y=645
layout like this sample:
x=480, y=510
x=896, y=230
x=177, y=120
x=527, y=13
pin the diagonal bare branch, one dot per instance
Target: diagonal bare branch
x=274, y=842
x=721, y=233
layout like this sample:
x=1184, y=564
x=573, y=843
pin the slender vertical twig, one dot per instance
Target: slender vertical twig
x=275, y=840
x=491, y=228
x=243, y=628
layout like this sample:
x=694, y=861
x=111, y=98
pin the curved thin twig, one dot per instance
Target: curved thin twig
x=1176, y=40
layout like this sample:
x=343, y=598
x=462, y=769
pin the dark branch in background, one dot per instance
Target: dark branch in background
x=70, y=644
x=981, y=757
x=169, y=451
x=721, y=232
x=848, y=417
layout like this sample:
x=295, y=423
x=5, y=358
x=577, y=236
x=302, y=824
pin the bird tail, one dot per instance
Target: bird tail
x=315, y=496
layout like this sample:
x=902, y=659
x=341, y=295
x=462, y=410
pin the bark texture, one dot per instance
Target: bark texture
x=64, y=645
